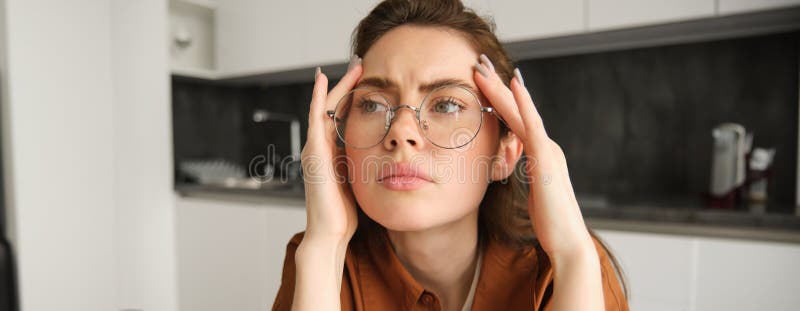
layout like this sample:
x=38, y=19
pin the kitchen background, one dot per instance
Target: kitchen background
x=131, y=129
x=633, y=123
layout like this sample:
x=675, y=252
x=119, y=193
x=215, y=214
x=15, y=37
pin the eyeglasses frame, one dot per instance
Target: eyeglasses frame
x=331, y=114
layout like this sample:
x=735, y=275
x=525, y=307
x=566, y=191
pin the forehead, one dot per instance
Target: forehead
x=412, y=55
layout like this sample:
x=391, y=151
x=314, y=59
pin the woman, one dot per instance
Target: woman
x=428, y=126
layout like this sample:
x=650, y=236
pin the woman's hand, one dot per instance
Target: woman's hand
x=331, y=217
x=553, y=209
x=552, y=206
x=330, y=206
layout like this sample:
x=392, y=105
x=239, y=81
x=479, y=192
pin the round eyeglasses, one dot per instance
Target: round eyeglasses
x=449, y=116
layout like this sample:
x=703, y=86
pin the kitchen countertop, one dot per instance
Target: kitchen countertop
x=672, y=216
x=694, y=221
x=295, y=192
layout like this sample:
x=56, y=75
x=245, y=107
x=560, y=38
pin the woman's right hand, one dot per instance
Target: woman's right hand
x=331, y=217
x=330, y=205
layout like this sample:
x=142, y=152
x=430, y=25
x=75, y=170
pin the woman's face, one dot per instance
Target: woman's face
x=410, y=56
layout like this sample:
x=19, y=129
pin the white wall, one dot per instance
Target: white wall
x=61, y=162
x=87, y=154
x=143, y=195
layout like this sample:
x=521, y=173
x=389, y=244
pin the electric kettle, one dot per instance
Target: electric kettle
x=728, y=162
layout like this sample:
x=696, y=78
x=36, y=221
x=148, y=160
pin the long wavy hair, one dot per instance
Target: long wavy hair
x=503, y=212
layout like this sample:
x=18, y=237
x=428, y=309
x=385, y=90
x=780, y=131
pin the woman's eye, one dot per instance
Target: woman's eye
x=371, y=106
x=446, y=106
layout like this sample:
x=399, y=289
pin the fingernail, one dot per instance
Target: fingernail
x=353, y=62
x=488, y=62
x=481, y=70
x=317, y=72
x=518, y=74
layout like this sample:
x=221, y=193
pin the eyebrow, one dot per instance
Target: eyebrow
x=384, y=83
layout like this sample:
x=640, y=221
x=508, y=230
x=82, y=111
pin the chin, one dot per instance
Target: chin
x=415, y=210
x=404, y=216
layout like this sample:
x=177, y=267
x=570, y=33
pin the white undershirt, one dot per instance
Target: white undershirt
x=468, y=303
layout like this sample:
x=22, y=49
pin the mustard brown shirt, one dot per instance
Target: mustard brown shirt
x=509, y=279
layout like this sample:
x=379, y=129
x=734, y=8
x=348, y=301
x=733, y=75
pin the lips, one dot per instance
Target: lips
x=402, y=171
x=403, y=176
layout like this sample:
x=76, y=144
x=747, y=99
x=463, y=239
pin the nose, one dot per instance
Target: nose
x=404, y=130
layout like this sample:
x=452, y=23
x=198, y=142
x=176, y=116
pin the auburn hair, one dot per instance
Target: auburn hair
x=503, y=212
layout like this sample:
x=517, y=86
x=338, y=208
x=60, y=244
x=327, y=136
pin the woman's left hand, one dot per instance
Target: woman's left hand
x=553, y=209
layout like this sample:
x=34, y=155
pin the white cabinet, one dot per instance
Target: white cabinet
x=658, y=268
x=612, y=14
x=256, y=37
x=672, y=272
x=259, y=36
x=267, y=36
x=191, y=37
x=331, y=24
x=481, y=7
x=740, y=6
x=747, y=275
x=230, y=254
x=529, y=19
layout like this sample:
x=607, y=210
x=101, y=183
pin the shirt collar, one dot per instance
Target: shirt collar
x=385, y=279
x=506, y=277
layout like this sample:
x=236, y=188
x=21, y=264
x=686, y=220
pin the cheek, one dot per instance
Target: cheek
x=363, y=165
x=479, y=155
x=467, y=175
x=363, y=169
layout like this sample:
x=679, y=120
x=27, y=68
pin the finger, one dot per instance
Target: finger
x=537, y=143
x=566, y=184
x=549, y=167
x=501, y=99
x=345, y=84
x=316, y=112
x=487, y=62
x=558, y=153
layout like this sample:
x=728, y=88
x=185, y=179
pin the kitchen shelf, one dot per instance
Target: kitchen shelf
x=207, y=4
x=197, y=73
x=192, y=42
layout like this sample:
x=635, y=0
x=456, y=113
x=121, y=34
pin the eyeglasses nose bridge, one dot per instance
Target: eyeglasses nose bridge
x=393, y=113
